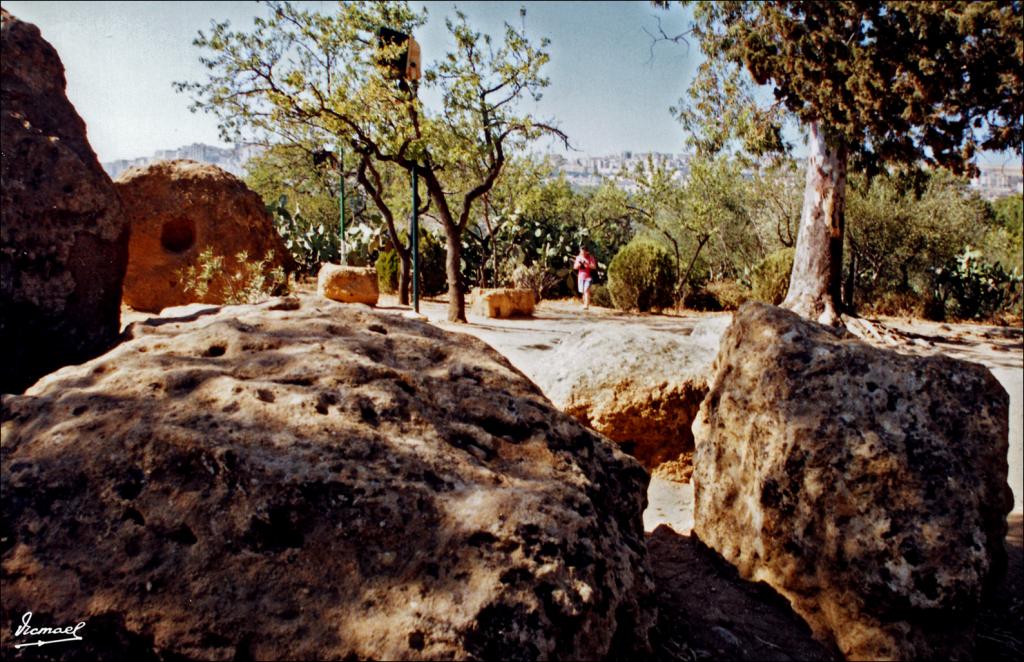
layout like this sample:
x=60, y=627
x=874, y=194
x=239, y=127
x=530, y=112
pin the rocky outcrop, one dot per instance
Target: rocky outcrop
x=63, y=234
x=303, y=479
x=178, y=209
x=348, y=284
x=638, y=386
x=502, y=302
x=866, y=486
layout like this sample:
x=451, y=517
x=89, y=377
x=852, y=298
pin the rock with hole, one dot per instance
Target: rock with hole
x=178, y=209
x=63, y=233
x=866, y=486
x=304, y=479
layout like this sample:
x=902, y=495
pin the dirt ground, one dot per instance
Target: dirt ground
x=708, y=612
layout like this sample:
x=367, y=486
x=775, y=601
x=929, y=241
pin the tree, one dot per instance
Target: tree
x=875, y=84
x=688, y=215
x=305, y=202
x=298, y=72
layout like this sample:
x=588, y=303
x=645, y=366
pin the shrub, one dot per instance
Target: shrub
x=248, y=282
x=433, y=280
x=600, y=296
x=537, y=277
x=770, y=279
x=896, y=303
x=642, y=276
x=309, y=244
x=387, y=266
x=718, y=295
x=975, y=289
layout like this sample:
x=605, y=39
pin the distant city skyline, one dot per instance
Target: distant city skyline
x=994, y=180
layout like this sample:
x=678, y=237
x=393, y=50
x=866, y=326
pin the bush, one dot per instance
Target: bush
x=600, y=296
x=388, y=266
x=309, y=244
x=718, y=295
x=538, y=278
x=642, y=276
x=433, y=279
x=247, y=282
x=975, y=289
x=770, y=279
x=897, y=303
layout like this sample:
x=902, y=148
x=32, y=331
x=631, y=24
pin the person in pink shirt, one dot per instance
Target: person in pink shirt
x=586, y=264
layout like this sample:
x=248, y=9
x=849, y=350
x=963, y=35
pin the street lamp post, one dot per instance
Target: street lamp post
x=342, y=248
x=414, y=233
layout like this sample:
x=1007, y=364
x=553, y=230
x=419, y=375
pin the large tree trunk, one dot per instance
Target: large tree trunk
x=453, y=258
x=815, y=284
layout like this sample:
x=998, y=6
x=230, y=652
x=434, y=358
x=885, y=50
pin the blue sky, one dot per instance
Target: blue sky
x=606, y=92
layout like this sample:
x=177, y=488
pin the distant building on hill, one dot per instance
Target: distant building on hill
x=232, y=159
x=997, y=181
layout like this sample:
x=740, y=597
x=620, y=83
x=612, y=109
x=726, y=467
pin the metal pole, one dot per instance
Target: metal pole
x=343, y=250
x=414, y=233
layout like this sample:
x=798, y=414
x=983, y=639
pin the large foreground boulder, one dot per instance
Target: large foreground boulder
x=177, y=210
x=638, y=386
x=63, y=234
x=866, y=486
x=305, y=480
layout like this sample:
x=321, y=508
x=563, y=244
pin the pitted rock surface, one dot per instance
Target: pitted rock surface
x=638, y=386
x=179, y=208
x=866, y=486
x=303, y=479
x=63, y=233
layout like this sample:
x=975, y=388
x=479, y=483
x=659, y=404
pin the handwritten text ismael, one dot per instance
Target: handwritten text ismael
x=69, y=633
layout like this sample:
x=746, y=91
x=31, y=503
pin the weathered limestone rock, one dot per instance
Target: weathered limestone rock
x=306, y=480
x=866, y=486
x=177, y=210
x=63, y=233
x=638, y=386
x=348, y=284
x=502, y=302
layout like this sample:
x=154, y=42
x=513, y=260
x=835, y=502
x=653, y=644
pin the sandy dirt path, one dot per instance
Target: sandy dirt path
x=527, y=344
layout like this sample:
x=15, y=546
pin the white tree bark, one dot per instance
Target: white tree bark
x=814, y=284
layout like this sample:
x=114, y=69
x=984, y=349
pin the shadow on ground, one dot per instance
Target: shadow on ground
x=706, y=612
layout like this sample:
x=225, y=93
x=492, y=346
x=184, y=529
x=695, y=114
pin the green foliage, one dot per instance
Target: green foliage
x=244, y=282
x=537, y=277
x=884, y=79
x=975, y=289
x=309, y=244
x=306, y=77
x=719, y=295
x=1009, y=213
x=770, y=279
x=642, y=276
x=388, y=267
x=900, y=230
x=601, y=296
x=431, y=267
x=432, y=256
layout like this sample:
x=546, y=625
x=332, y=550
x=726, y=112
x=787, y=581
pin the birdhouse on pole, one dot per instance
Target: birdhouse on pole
x=402, y=61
